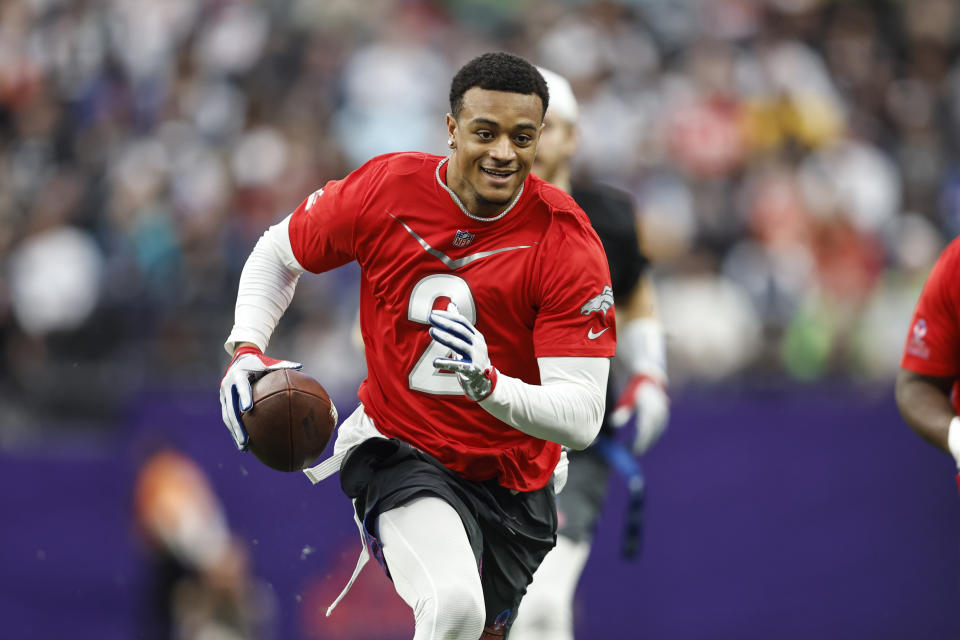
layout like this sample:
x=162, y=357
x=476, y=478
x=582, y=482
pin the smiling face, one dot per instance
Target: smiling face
x=495, y=142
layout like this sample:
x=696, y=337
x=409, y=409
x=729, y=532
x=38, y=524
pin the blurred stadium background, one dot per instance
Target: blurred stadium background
x=797, y=169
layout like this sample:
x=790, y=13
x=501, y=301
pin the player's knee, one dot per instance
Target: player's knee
x=459, y=611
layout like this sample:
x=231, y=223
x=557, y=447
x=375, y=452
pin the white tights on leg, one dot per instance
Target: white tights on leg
x=428, y=553
x=546, y=611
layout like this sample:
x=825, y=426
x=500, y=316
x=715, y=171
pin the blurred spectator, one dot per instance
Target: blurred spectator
x=201, y=582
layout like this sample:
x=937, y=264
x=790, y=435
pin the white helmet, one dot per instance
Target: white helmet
x=563, y=103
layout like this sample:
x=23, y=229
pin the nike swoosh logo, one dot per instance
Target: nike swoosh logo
x=594, y=336
x=452, y=264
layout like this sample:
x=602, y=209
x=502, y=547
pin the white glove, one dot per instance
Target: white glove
x=648, y=399
x=645, y=395
x=470, y=362
x=236, y=393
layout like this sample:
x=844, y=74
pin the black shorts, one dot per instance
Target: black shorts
x=510, y=533
x=582, y=498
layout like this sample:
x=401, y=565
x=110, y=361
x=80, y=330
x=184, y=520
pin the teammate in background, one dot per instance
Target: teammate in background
x=486, y=314
x=546, y=611
x=928, y=386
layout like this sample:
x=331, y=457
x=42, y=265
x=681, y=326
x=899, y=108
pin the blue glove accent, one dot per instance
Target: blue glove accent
x=471, y=362
x=628, y=467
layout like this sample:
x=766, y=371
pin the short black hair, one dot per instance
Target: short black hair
x=498, y=71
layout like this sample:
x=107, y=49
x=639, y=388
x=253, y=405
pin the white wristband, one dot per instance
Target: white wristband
x=953, y=439
x=643, y=345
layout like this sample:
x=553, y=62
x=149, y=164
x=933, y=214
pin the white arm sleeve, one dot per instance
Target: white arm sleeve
x=567, y=407
x=267, y=283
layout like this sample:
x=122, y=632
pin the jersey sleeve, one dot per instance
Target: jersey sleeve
x=933, y=341
x=576, y=315
x=323, y=227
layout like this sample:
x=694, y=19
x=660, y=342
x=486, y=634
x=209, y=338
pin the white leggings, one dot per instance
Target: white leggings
x=428, y=553
x=546, y=611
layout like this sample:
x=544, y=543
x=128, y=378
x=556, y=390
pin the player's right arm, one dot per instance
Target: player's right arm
x=316, y=237
x=267, y=284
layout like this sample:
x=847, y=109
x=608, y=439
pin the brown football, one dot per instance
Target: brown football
x=291, y=421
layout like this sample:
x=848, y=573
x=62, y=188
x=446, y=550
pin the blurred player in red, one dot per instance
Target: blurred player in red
x=487, y=318
x=546, y=611
x=928, y=386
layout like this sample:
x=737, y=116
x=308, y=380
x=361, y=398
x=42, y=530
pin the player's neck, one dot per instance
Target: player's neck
x=561, y=178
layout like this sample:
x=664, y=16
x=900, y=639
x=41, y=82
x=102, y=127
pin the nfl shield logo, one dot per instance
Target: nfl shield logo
x=463, y=238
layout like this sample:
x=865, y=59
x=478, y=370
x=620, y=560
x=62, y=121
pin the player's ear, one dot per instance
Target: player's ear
x=452, y=128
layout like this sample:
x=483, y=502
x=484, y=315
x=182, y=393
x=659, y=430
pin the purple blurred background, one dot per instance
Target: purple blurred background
x=794, y=513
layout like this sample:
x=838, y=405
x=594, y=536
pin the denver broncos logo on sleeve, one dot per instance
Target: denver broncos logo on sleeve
x=917, y=346
x=601, y=302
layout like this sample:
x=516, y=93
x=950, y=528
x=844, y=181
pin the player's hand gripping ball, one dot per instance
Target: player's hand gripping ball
x=236, y=392
x=291, y=421
x=289, y=415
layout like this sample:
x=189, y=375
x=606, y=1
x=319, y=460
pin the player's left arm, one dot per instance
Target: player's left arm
x=928, y=367
x=567, y=407
x=924, y=403
x=575, y=296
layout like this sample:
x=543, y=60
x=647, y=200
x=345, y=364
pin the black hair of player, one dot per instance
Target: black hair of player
x=497, y=71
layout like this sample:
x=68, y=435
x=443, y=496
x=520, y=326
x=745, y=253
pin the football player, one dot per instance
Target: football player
x=547, y=609
x=488, y=324
x=928, y=385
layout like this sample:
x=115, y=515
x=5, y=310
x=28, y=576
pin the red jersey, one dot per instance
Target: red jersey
x=534, y=282
x=933, y=342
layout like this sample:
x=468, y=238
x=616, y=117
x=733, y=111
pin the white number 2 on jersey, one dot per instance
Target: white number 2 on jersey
x=424, y=377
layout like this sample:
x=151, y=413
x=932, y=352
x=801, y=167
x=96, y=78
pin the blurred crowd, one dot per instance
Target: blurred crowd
x=795, y=165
